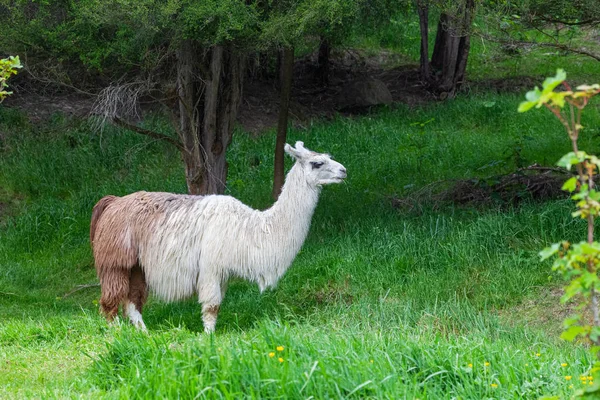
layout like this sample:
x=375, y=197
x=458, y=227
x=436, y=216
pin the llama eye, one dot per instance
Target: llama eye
x=316, y=165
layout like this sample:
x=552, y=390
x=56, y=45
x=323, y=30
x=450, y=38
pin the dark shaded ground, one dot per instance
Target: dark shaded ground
x=311, y=100
x=532, y=183
x=260, y=103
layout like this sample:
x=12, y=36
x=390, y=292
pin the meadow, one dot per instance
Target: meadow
x=444, y=302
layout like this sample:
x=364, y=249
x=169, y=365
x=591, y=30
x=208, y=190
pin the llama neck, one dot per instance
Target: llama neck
x=289, y=221
x=296, y=203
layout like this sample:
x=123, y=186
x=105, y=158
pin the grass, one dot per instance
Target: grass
x=380, y=303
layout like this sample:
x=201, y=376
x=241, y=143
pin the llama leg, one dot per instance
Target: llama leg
x=209, y=316
x=210, y=297
x=114, y=283
x=224, y=286
x=138, y=294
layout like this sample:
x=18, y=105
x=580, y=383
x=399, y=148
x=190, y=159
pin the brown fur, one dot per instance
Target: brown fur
x=115, y=288
x=114, y=235
x=97, y=212
x=213, y=309
x=138, y=290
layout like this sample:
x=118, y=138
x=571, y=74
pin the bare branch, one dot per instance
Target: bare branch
x=559, y=46
x=80, y=287
x=119, y=100
x=591, y=21
x=146, y=132
x=57, y=82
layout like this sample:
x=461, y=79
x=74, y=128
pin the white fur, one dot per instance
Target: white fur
x=134, y=316
x=198, y=247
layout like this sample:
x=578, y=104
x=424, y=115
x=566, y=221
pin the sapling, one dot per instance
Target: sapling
x=578, y=263
x=8, y=67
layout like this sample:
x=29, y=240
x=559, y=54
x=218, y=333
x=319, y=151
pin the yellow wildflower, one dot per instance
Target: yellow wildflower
x=564, y=365
x=570, y=386
x=279, y=348
x=537, y=354
x=494, y=385
x=487, y=364
x=271, y=354
x=589, y=378
x=280, y=359
x=470, y=365
x=568, y=377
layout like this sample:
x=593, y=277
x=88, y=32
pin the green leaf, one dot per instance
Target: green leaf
x=572, y=332
x=551, y=83
x=572, y=320
x=533, y=95
x=526, y=106
x=549, y=251
x=570, y=185
x=570, y=159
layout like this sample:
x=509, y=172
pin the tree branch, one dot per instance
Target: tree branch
x=80, y=287
x=58, y=83
x=152, y=134
x=560, y=46
x=591, y=21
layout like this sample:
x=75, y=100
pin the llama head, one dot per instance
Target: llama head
x=318, y=168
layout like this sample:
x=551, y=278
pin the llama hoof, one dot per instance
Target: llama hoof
x=115, y=322
x=141, y=327
x=135, y=317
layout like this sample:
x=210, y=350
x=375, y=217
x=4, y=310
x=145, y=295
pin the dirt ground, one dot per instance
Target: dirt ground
x=260, y=103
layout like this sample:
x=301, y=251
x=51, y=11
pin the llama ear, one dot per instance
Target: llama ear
x=292, y=151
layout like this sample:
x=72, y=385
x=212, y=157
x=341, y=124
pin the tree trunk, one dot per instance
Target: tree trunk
x=423, y=10
x=440, y=41
x=210, y=90
x=451, y=49
x=282, y=123
x=323, y=62
x=187, y=90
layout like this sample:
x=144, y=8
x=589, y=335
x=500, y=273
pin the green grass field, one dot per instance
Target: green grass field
x=380, y=303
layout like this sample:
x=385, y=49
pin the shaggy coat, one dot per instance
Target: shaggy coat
x=179, y=245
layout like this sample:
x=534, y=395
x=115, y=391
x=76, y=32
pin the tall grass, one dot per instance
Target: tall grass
x=380, y=303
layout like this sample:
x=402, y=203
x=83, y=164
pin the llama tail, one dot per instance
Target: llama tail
x=97, y=213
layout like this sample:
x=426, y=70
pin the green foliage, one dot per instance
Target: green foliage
x=8, y=67
x=538, y=97
x=297, y=22
x=122, y=36
x=578, y=263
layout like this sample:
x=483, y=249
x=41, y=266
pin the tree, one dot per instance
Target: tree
x=541, y=23
x=188, y=55
x=287, y=66
x=294, y=23
x=445, y=72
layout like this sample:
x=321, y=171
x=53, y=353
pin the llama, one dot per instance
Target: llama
x=178, y=245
